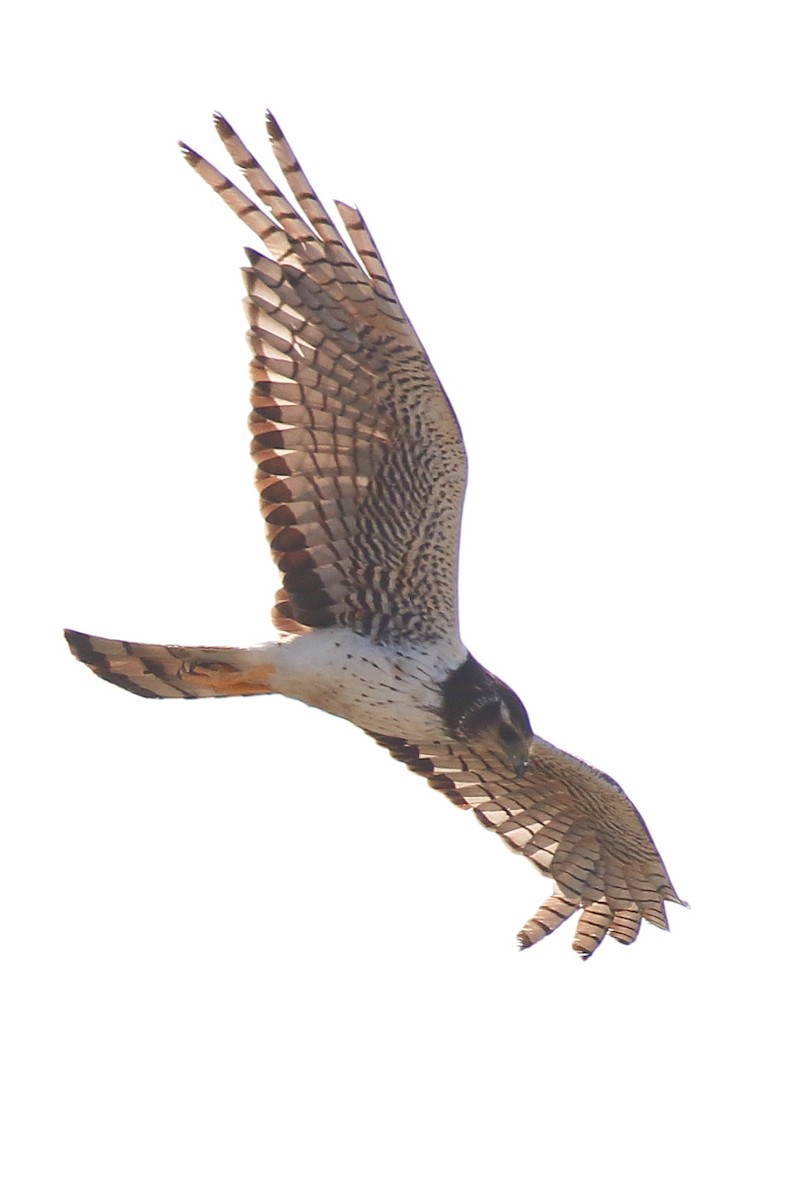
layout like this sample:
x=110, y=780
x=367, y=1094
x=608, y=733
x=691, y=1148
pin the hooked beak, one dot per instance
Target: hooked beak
x=520, y=763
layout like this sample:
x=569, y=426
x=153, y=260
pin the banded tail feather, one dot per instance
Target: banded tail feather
x=172, y=672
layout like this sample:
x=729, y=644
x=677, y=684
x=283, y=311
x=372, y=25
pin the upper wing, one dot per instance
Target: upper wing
x=360, y=463
x=574, y=823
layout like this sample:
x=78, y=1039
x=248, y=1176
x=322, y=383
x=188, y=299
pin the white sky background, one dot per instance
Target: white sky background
x=243, y=953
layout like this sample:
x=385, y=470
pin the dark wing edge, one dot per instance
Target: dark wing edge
x=343, y=392
x=573, y=823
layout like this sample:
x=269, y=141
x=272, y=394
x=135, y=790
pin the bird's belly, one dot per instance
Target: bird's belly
x=392, y=690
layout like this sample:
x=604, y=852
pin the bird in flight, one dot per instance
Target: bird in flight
x=361, y=471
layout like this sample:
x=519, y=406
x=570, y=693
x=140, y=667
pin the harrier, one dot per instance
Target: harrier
x=361, y=472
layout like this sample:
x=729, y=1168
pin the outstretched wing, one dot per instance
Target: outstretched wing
x=360, y=462
x=573, y=822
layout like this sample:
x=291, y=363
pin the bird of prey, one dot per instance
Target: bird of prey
x=361, y=471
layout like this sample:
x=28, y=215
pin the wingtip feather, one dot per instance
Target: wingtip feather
x=190, y=156
x=273, y=128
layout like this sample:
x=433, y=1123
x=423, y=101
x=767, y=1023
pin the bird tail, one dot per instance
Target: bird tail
x=182, y=672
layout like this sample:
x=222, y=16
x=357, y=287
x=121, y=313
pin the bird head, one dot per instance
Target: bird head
x=482, y=710
x=511, y=735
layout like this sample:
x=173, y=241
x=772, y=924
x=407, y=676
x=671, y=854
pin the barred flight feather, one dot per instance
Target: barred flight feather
x=574, y=823
x=349, y=363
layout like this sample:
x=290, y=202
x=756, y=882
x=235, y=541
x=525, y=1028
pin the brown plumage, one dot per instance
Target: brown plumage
x=343, y=398
x=572, y=822
x=361, y=472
